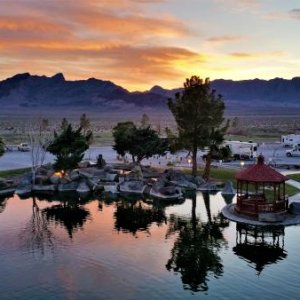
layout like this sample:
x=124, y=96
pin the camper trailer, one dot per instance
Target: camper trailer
x=238, y=149
x=242, y=150
x=290, y=140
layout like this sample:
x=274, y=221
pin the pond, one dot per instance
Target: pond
x=104, y=248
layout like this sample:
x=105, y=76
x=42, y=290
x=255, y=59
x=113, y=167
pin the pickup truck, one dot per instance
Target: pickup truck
x=293, y=152
x=24, y=147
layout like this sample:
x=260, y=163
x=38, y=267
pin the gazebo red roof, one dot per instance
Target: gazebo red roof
x=260, y=173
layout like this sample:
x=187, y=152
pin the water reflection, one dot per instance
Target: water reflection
x=3, y=202
x=195, y=251
x=36, y=235
x=260, y=246
x=136, y=215
x=69, y=213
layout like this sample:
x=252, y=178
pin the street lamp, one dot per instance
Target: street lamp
x=242, y=163
x=189, y=162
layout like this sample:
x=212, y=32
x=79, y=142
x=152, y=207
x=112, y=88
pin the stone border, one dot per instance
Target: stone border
x=229, y=213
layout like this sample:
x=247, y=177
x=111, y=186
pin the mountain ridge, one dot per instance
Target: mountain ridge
x=34, y=91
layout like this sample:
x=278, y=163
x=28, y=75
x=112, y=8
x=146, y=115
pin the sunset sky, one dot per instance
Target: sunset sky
x=141, y=43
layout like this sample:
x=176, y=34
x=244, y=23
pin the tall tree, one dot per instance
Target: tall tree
x=198, y=112
x=145, y=122
x=68, y=147
x=140, y=143
x=216, y=138
x=85, y=123
x=123, y=134
x=64, y=124
x=2, y=147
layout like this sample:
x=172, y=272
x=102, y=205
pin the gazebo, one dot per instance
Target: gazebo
x=260, y=189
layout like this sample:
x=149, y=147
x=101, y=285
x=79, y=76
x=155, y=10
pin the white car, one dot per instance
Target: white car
x=24, y=147
x=293, y=152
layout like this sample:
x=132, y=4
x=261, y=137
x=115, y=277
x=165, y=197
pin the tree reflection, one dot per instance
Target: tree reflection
x=133, y=216
x=36, y=233
x=3, y=202
x=260, y=246
x=195, y=252
x=69, y=214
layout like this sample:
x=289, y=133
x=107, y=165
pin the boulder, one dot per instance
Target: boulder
x=137, y=172
x=228, y=189
x=41, y=179
x=3, y=184
x=54, y=179
x=294, y=208
x=74, y=175
x=182, y=180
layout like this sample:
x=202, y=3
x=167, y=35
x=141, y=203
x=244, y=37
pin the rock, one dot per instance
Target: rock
x=137, y=172
x=83, y=188
x=134, y=186
x=111, y=177
x=74, y=175
x=54, y=179
x=198, y=180
x=41, y=179
x=228, y=189
x=3, y=184
x=182, y=180
x=294, y=208
x=83, y=164
x=68, y=187
x=66, y=179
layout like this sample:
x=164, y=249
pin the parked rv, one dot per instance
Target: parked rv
x=242, y=150
x=239, y=150
x=290, y=140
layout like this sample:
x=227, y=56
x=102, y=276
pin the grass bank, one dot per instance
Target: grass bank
x=14, y=172
x=294, y=177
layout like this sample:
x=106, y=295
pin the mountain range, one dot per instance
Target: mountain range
x=42, y=92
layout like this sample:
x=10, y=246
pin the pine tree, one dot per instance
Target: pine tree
x=68, y=147
x=198, y=112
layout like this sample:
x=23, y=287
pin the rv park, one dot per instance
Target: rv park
x=281, y=155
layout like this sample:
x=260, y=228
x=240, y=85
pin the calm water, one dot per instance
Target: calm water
x=137, y=249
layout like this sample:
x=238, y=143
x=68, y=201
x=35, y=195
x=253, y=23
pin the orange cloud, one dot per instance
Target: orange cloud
x=224, y=38
x=248, y=55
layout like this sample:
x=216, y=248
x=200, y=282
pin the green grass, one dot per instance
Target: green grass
x=103, y=139
x=229, y=174
x=294, y=177
x=15, y=172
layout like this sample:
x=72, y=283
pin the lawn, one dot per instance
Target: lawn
x=12, y=173
x=294, y=177
x=228, y=174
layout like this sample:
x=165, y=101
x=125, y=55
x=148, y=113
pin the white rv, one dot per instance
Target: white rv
x=239, y=150
x=290, y=140
x=242, y=150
